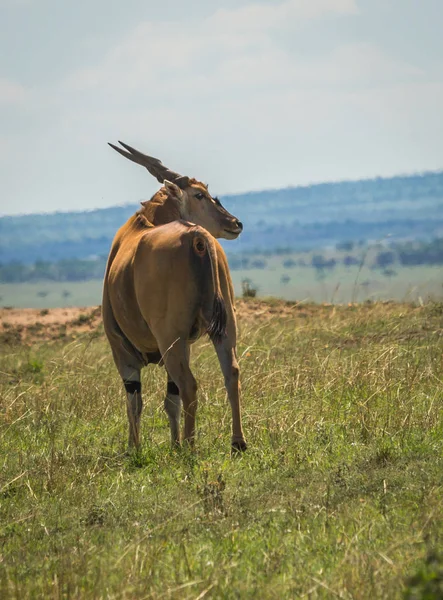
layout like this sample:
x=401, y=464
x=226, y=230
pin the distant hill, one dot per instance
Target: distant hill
x=299, y=218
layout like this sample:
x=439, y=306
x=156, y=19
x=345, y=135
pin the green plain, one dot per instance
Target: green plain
x=340, y=493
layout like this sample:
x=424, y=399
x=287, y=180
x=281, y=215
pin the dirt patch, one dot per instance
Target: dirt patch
x=273, y=308
x=30, y=325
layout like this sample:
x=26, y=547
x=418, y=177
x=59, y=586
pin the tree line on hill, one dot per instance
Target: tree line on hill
x=74, y=269
x=300, y=218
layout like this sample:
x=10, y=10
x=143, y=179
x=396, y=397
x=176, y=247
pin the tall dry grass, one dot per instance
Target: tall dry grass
x=339, y=494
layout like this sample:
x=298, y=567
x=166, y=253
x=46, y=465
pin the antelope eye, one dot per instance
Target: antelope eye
x=199, y=196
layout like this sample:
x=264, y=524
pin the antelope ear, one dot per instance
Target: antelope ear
x=173, y=190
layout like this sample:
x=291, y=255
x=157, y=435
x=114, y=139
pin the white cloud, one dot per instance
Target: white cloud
x=163, y=66
x=223, y=98
x=236, y=49
x=214, y=83
x=254, y=17
x=15, y=3
x=11, y=92
x=155, y=50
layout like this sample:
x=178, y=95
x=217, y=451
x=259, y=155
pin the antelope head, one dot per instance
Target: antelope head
x=194, y=200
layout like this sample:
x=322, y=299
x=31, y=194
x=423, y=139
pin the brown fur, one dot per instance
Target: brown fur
x=167, y=283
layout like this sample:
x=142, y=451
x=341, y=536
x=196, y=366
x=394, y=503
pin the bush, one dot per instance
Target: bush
x=289, y=263
x=384, y=259
x=259, y=263
x=346, y=246
x=350, y=261
x=248, y=291
x=427, y=583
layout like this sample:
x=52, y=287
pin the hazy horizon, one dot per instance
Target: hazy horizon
x=233, y=194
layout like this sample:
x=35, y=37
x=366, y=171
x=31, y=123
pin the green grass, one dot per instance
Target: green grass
x=343, y=284
x=339, y=495
x=339, y=285
x=49, y=294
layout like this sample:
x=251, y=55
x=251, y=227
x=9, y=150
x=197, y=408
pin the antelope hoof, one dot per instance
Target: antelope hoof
x=188, y=443
x=238, y=446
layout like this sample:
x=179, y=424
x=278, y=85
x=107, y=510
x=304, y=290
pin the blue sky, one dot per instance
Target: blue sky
x=244, y=95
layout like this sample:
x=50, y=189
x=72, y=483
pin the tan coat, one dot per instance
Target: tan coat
x=167, y=283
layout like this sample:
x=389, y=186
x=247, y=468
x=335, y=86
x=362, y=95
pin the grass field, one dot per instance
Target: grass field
x=343, y=285
x=338, y=286
x=340, y=493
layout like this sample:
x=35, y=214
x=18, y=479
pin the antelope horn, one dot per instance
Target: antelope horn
x=154, y=165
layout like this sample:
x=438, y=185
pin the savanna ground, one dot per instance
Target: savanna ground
x=340, y=493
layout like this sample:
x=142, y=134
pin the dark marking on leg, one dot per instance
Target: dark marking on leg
x=237, y=447
x=133, y=386
x=172, y=388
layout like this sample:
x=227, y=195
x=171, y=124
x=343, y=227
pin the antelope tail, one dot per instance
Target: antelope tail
x=204, y=247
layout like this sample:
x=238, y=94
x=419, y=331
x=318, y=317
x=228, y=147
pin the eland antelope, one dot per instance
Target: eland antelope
x=167, y=282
